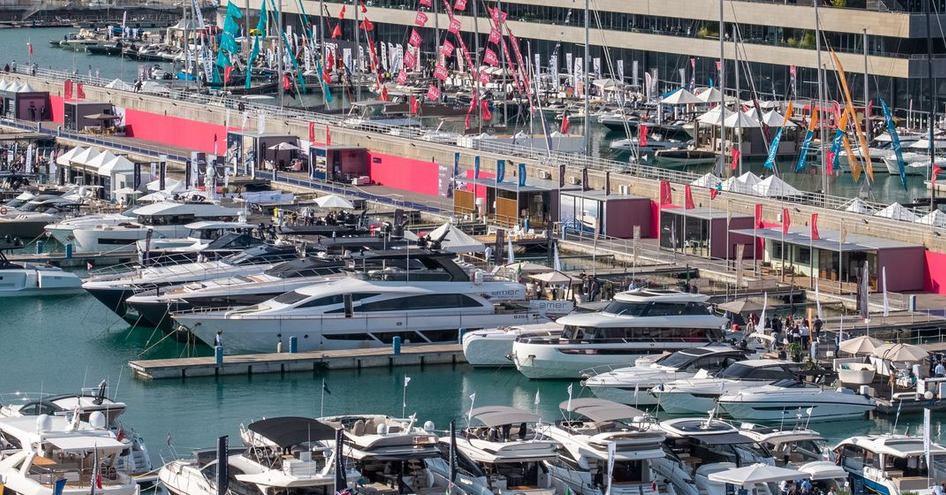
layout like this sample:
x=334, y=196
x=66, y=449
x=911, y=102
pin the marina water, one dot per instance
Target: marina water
x=62, y=344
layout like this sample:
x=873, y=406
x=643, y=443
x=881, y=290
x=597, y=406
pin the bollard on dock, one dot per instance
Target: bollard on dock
x=396, y=344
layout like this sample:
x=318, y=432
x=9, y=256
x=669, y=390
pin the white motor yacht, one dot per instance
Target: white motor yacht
x=115, y=286
x=792, y=447
x=161, y=220
x=43, y=451
x=700, y=394
x=632, y=385
x=891, y=464
x=34, y=279
x=133, y=460
x=62, y=230
x=199, y=236
x=369, y=310
x=27, y=220
x=281, y=455
x=502, y=452
x=390, y=453
x=698, y=447
x=636, y=323
x=492, y=347
x=770, y=403
x=589, y=428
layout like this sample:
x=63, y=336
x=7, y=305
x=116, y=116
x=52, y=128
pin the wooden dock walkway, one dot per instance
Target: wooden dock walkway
x=250, y=364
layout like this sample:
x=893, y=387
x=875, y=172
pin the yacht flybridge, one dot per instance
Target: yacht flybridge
x=369, y=310
x=892, y=464
x=281, y=455
x=589, y=428
x=161, y=220
x=637, y=323
x=44, y=450
x=504, y=452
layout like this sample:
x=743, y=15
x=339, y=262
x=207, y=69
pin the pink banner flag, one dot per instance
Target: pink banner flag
x=401, y=77
x=427, y=3
x=489, y=58
x=499, y=17
x=459, y=5
x=433, y=92
x=494, y=36
x=415, y=39
x=484, y=77
x=421, y=19
x=447, y=49
x=409, y=59
x=440, y=72
x=455, y=25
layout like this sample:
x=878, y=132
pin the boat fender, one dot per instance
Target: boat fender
x=429, y=426
x=3, y=211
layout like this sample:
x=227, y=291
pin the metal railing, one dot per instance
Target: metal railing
x=497, y=150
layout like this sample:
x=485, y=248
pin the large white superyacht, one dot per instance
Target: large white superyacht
x=637, y=323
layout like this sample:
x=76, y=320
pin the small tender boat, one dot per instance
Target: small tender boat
x=34, y=279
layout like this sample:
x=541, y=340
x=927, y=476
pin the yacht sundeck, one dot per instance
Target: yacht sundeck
x=636, y=323
x=791, y=447
x=34, y=279
x=40, y=451
x=589, y=428
x=770, y=403
x=891, y=464
x=632, y=385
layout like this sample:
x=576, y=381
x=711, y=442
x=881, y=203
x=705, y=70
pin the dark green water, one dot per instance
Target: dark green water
x=60, y=345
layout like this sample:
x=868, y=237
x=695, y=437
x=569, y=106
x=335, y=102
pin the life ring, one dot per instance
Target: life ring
x=3, y=210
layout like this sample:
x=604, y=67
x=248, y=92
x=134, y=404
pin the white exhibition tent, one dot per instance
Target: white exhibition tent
x=936, y=218
x=857, y=205
x=774, y=119
x=739, y=120
x=119, y=85
x=708, y=180
x=454, y=240
x=709, y=95
x=773, y=187
x=897, y=211
x=682, y=97
x=742, y=184
x=65, y=159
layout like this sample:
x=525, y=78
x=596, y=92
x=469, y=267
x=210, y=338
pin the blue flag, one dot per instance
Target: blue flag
x=456, y=164
x=895, y=142
x=803, y=155
x=476, y=167
x=60, y=485
x=522, y=175
x=836, y=148
x=500, y=170
x=773, y=150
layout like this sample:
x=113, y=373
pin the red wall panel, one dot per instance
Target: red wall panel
x=174, y=131
x=55, y=103
x=405, y=173
x=934, y=279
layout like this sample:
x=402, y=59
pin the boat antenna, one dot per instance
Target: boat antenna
x=117, y=383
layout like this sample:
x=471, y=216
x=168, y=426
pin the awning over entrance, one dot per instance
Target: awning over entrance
x=828, y=240
x=532, y=185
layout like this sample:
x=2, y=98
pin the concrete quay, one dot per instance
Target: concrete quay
x=639, y=180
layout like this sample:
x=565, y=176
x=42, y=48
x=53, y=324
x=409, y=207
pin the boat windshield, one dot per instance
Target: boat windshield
x=677, y=359
x=798, y=452
x=626, y=308
x=741, y=371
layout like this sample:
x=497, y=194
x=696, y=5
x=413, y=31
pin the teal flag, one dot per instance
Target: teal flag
x=773, y=150
x=222, y=59
x=803, y=156
x=234, y=11
x=230, y=25
x=263, y=20
x=895, y=142
x=326, y=91
x=228, y=43
x=249, y=61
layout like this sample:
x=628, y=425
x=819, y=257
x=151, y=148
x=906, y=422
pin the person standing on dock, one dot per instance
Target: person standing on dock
x=939, y=370
x=218, y=339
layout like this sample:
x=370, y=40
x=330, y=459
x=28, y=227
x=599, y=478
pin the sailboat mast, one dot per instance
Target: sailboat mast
x=735, y=45
x=476, y=59
x=722, y=90
x=357, y=54
x=820, y=81
x=867, y=127
x=280, y=55
x=932, y=88
x=587, y=120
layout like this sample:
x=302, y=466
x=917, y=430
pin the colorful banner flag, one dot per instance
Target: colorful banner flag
x=806, y=143
x=773, y=149
x=895, y=142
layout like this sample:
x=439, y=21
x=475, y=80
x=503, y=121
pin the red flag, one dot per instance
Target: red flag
x=433, y=92
x=666, y=194
x=566, y=125
x=447, y=49
x=734, y=164
x=29, y=48
x=401, y=76
x=455, y=25
x=384, y=93
x=758, y=216
x=495, y=36
x=367, y=25
x=427, y=3
x=341, y=13
x=331, y=61
x=936, y=171
x=421, y=19
x=642, y=132
x=786, y=220
x=415, y=105
x=459, y=5
x=337, y=32
x=484, y=110
x=286, y=82
x=466, y=122
x=328, y=136
x=688, y=198
x=440, y=72
x=364, y=10
x=713, y=193
x=415, y=38
x=67, y=89
x=409, y=60
x=489, y=58
x=814, y=227
x=311, y=132
x=80, y=91
x=226, y=73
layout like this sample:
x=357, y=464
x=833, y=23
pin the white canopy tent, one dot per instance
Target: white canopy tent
x=454, y=240
x=773, y=187
x=742, y=184
x=65, y=159
x=708, y=95
x=682, y=97
x=936, y=218
x=709, y=180
x=774, y=119
x=83, y=157
x=897, y=211
x=119, y=85
x=739, y=120
x=857, y=205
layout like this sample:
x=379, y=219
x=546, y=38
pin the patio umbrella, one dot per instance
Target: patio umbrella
x=681, y=97
x=284, y=146
x=860, y=345
x=901, y=352
x=526, y=267
x=823, y=470
x=741, y=306
x=334, y=201
x=749, y=476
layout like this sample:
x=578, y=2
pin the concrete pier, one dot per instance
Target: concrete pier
x=251, y=364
